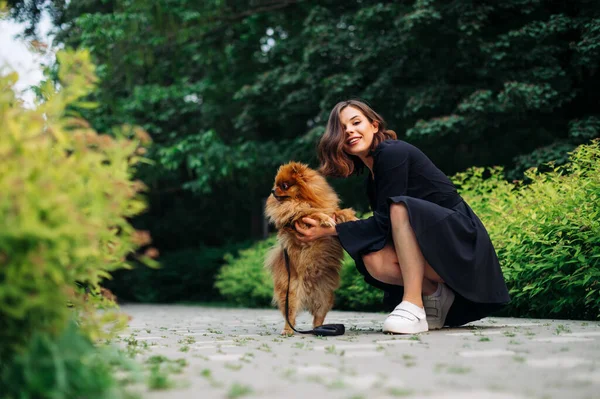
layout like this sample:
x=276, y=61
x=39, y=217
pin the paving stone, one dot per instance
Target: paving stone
x=495, y=358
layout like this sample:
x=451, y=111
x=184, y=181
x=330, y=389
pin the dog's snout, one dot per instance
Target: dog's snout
x=273, y=191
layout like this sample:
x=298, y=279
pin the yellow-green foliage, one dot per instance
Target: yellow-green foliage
x=546, y=234
x=66, y=194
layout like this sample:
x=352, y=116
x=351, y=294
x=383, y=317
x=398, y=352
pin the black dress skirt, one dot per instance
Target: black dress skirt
x=451, y=237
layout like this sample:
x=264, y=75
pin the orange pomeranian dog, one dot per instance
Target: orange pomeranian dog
x=300, y=191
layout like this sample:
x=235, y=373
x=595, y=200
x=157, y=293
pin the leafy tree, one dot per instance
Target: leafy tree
x=230, y=89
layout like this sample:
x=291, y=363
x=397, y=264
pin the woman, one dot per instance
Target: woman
x=423, y=243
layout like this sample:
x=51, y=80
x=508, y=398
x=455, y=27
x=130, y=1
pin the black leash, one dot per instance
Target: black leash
x=325, y=329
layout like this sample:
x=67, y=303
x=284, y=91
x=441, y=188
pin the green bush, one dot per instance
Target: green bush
x=67, y=197
x=66, y=366
x=185, y=275
x=244, y=280
x=354, y=293
x=546, y=234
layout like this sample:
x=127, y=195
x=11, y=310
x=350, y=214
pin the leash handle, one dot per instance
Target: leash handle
x=325, y=329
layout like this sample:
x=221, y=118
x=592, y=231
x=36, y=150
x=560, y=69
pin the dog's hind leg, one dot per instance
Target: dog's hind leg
x=320, y=308
x=293, y=307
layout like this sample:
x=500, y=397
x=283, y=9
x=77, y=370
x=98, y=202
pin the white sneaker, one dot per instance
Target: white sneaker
x=436, y=307
x=407, y=318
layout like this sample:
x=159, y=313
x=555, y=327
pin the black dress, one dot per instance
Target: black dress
x=451, y=237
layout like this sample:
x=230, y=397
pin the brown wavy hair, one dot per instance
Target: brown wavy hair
x=334, y=160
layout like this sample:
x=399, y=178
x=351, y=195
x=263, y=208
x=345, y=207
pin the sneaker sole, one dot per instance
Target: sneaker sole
x=413, y=329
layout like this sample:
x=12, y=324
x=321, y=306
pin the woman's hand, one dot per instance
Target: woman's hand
x=315, y=231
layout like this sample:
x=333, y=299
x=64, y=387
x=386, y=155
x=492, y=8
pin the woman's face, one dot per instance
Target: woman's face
x=359, y=132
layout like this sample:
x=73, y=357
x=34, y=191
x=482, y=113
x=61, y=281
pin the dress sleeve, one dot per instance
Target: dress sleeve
x=391, y=173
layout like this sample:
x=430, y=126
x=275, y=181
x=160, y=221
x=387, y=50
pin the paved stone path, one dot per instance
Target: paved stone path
x=232, y=353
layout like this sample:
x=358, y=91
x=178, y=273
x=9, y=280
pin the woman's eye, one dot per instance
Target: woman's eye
x=356, y=123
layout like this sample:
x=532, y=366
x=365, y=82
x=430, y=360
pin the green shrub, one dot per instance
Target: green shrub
x=354, y=293
x=185, y=275
x=244, y=280
x=546, y=234
x=66, y=366
x=67, y=196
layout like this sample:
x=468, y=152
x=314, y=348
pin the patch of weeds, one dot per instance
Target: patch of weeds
x=148, y=330
x=458, y=370
x=451, y=369
x=337, y=384
x=289, y=373
x=561, y=328
x=519, y=359
x=330, y=350
x=399, y=392
x=509, y=334
x=232, y=366
x=247, y=357
x=564, y=349
x=206, y=373
x=213, y=331
x=299, y=345
x=238, y=390
x=184, y=348
x=265, y=348
x=484, y=339
x=159, y=378
x=514, y=342
x=585, y=324
x=315, y=378
x=277, y=340
x=530, y=333
x=187, y=340
x=439, y=367
x=134, y=346
x=415, y=338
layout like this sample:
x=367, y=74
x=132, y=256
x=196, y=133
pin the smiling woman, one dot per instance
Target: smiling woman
x=423, y=243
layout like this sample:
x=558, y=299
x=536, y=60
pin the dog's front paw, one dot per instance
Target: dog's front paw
x=345, y=215
x=323, y=219
x=287, y=332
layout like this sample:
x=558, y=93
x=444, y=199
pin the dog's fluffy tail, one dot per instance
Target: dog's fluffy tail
x=274, y=257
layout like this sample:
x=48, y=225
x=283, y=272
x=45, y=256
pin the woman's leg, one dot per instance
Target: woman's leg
x=409, y=254
x=383, y=265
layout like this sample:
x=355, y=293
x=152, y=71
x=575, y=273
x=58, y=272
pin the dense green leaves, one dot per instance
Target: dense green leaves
x=230, y=89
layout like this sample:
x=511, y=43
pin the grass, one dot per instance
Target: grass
x=399, y=392
x=238, y=390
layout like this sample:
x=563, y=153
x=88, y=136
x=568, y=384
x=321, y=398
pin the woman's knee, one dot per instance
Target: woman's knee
x=383, y=266
x=399, y=213
x=374, y=263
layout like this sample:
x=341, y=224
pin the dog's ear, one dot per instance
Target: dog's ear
x=298, y=168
